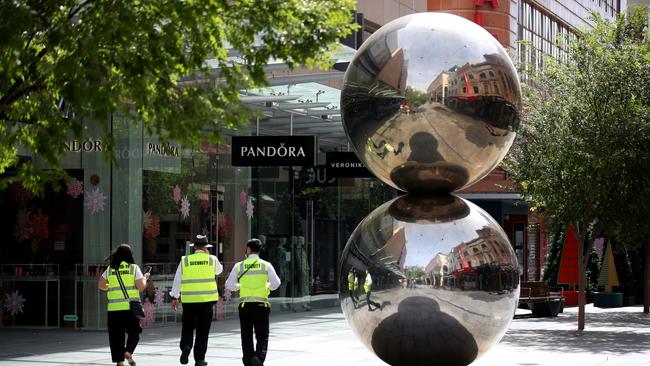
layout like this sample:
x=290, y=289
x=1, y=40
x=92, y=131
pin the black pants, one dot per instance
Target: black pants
x=120, y=322
x=197, y=316
x=254, y=315
x=370, y=302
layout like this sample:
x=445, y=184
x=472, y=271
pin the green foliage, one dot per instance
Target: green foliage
x=414, y=272
x=64, y=63
x=583, y=151
x=552, y=266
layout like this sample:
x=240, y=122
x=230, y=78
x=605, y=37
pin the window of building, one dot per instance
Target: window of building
x=482, y=75
x=542, y=35
x=476, y=89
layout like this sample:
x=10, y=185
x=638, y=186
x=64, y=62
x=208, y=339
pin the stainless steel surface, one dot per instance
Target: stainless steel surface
x=431, y=102
x=445, y=281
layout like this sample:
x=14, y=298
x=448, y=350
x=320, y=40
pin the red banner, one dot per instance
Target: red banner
x=569, y=262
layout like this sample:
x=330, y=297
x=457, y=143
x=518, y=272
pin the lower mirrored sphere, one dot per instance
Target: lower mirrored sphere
x=429, y=280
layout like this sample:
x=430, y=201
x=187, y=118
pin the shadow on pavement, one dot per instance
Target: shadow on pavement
x=608, y=332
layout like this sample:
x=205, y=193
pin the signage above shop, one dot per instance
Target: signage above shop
x=86, y=145
x=274, y=150
x=162, y=149
x=346, y=164
x=316, y=177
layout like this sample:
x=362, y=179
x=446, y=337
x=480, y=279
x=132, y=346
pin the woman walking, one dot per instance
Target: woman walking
x=122, y=275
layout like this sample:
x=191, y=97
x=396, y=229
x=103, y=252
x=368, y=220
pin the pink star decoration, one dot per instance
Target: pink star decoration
x=14, y=303
x=94, y=201
x=185, y=207
x=249, y=208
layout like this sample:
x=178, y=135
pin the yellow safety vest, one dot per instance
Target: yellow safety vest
x=353, y=282
x=116, y=300
x=366, y=286
x=197, y=281
x=253, y=284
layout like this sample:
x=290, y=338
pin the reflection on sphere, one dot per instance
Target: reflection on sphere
x=445, y=281
x=431, y=102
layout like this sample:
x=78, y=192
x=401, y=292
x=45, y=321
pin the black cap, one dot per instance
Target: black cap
x=201, y=241
x=255, y=245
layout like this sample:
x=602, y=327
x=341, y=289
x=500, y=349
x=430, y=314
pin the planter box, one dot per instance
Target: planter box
x=570, y=298
x=629, y=300
x=608, y=299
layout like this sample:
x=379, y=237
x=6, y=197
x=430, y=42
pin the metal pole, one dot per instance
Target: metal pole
x=258, y=126
x=290, y=124
x=47, y=303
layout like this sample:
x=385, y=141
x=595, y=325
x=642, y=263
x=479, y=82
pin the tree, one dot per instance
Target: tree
x=64, y=63
x=583, y=153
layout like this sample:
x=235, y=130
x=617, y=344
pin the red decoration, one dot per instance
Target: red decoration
x=225, y=225
x=494, y=3
x=569, y=262
x=40, y=227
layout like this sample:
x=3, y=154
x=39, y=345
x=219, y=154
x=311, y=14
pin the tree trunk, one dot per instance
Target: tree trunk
x=581, y=284
x=646, y=278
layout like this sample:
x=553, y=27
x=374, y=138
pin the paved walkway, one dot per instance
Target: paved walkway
x=318, y=338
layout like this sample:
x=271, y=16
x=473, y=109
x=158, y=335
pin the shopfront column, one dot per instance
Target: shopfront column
x=127, y=186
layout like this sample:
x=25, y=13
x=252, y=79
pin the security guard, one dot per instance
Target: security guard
x=367, y=288
x=255, y=279
x=120, y=292
x=196, y=283
x=353, y=286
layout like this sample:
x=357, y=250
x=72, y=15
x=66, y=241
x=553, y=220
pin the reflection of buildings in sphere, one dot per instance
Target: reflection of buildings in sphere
x=407, y=80
x=437, y=269
x=407, y=245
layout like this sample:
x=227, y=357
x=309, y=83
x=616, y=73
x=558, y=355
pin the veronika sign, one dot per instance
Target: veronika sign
x=346, y=164
x=274, y=150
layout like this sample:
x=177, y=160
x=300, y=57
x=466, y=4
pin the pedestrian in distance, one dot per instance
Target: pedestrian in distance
x=367, y=288
x=195, y=286
x=255, y=279
x=353, y=286
x=123, y=281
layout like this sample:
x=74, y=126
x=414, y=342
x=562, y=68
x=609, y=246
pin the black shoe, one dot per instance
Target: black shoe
x=185, y=355
x=255, y=361
x=200, y=363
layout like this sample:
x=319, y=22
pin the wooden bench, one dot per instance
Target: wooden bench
x=537, y=297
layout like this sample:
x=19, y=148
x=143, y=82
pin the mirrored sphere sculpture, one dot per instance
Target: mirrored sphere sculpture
x=444, y=281
x=430, y=103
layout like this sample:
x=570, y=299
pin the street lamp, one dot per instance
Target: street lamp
x=319, y=92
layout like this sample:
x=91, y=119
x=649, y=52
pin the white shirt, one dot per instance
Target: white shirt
x=138, y=273
x=176, y=286
x=368, y=279
x=233, y=285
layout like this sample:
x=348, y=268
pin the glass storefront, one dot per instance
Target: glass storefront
x=157, y=197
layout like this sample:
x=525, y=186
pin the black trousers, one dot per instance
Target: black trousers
x=197, y=316
x=120, y=322
x=370, y=302
x=254, y=316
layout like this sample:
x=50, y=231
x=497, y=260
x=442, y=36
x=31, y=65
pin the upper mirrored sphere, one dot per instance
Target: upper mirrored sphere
x=431, y=103
x=429, y=280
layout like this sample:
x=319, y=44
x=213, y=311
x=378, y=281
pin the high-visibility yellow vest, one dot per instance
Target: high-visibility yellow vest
x=366, y=285
x=253, y=284
x=197, y=281
x=353, y=282
x=116, y=300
